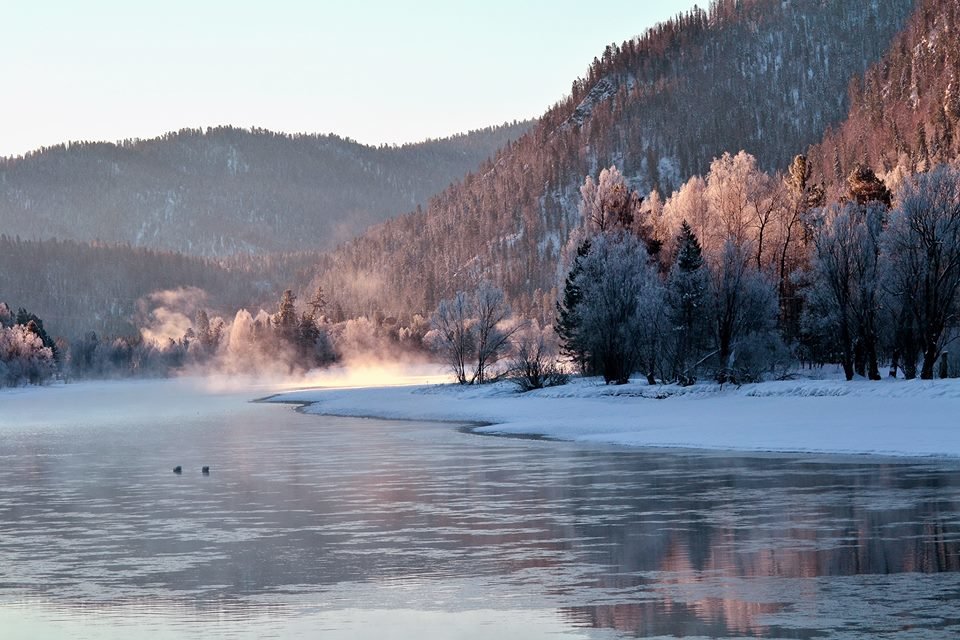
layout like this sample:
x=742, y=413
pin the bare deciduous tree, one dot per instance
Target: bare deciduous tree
x=455, y=338
x=471, y=331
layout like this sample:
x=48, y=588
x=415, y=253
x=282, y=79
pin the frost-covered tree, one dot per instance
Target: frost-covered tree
x=23, y=356
x=31, y=320
x=739, y=202
x=472, y=332
x=731, y=187
x=493, y=333
x=621, y=309
x=844, y=292
x=208, y=333
x=285, y=321
x=6, y=315
x=318, y=303
x=615, y=216
x=744, y=314
x=609, y=205
x=608, y=202
x=534, y=363
x=923, y=245
x=803, y=195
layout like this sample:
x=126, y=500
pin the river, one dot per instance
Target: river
x=328, y=527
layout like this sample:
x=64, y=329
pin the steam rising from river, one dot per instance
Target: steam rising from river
x=243, y=352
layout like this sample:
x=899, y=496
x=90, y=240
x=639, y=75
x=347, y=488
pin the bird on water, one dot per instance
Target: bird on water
x=178, y=469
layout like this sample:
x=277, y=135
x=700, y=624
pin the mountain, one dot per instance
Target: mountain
x=849, y=82
x=227, y=190
x=905, y=111
x=768, y=76
x=77, y=287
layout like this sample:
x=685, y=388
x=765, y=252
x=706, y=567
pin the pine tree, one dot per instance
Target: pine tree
x=307, y=335
x=567, y=325
x=807, y=194
x=837, y=165
x=318, y=303
x=921, y=160
x=866, y=187
x=35, y=325
x=202, y=330
x=285, y=321
x=686, y=291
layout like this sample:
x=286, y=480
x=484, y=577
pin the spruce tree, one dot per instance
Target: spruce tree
x=318, y=303
x=866, y=187
x=687, y=288
x=285, y=321
x=567, y=325
x=35, y=325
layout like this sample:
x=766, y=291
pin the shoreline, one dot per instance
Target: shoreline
x=891, y=419
x=895, y=419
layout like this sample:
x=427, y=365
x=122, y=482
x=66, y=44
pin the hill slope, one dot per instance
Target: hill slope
x=905, y=111
x=767, y=76
x=228, y=190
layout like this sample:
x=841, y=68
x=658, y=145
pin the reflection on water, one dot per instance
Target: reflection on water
x=311, y=524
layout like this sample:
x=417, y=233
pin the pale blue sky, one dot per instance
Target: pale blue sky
x=376, y=71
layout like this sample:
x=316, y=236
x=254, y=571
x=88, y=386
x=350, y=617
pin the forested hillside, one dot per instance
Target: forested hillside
x=769, y=77
x=905, y=111
x=227, y=190
x=78, y=287
x=764, y=75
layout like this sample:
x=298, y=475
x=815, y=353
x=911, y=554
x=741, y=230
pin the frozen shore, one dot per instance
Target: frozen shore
x=889, y=418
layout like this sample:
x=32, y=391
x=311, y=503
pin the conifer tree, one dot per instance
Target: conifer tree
x=686, y=291
x=567, y=325
x=285, y=321
x=318, y=303
x=35, y=326
x=866, y=187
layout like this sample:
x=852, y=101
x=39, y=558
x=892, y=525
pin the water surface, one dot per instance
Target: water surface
x=349, y=528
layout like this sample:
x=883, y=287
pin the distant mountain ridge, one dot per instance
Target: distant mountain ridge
x=226, y=190
x=892, y=100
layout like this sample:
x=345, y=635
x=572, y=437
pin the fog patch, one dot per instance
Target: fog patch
x=294, y=347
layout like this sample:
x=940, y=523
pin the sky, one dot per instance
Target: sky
x=375, y=71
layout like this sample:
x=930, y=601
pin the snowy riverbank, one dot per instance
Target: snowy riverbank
x=891, y=417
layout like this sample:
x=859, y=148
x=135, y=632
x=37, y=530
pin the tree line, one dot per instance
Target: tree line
x=741, y=275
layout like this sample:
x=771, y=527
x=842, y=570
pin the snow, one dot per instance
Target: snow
x=888, y=418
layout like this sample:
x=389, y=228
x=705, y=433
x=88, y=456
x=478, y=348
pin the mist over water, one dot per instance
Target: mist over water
x=245, y=352
x=351, y=374
x=350, y=528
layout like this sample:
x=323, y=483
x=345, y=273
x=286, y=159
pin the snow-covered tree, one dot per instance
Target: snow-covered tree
x=923, y=247
x=472, y=332
x=608, y=203
x=621, y=309
x=285, y=321
x=744, y=311
x=23, y=356
x=6, y=315
x=493, y=333
x=844, y=292
x=534, y=363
